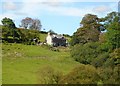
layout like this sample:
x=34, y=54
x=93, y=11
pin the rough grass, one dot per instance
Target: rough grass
x=42, y=37
x=22, y=62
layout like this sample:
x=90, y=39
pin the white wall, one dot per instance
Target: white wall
x=49, y=39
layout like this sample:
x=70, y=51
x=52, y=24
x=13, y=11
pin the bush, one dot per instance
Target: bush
x=84, y=53
x=5, y=42
x=109, y=63
x=82, y=74
x=100, y=59
x=47, y=75
x=109, y=75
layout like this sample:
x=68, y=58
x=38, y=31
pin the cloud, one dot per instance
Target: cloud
x=31, y=9
x=36, y=9
x=54, y=8
x=101, y=9
x=52, y=3
x=9, y=6
x=62, y=1
x=69, y=11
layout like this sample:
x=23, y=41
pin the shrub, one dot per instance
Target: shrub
x=47, y=75
x=109, y=75
x=84, y=53
x=82, y=74
x=100, y=59
x=5, y=42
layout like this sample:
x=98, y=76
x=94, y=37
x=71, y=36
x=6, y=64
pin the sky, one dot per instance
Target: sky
x=61, y=16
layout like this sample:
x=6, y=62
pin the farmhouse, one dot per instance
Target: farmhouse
x=56, y=40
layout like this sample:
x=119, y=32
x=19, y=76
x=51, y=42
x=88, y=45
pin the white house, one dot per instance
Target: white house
x=49, y=39
x=56, y=40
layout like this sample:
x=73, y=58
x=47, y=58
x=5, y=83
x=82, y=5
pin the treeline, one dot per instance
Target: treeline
x=29, y=29
x=92, y=46
x=97, y=43
x=81, y=74
x=96, y=46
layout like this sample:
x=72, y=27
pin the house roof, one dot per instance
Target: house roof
x=57, y=36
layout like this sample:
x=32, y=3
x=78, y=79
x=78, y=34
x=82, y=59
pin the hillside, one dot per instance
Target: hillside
x=21, y=63
x=43, y=36
x=91, y=57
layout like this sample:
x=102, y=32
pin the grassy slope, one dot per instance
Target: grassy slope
x=21, y=62
x=42, y=37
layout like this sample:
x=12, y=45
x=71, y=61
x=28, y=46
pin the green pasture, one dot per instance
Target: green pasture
x=21, y=63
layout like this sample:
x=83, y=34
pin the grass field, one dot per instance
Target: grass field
x=20, y=63
x=42, y=37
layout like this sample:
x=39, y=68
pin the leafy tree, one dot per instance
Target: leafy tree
x=27, y=36
x=85, y=35
x=100, y=59
x=102, y=38
x=51, y=31
x=36, y=25
x=6, y=32
x=8, y=28
x=111, y=18
x=114, y=59
x=85, y=53
x=90, y=20
x=29, y=23
x=90, y=30
x=113, y=30
x=26, y=23
x=8, y=23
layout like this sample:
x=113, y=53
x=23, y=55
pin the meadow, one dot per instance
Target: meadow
x=93, y=56
x=21, y=63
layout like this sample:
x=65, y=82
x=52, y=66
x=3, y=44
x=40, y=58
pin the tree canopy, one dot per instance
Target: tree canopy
x=29, y=23
x=8, y=28
x=8, y=23
x=90, y=30
x=91, y=46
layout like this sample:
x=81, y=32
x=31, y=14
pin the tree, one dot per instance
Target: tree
x=85, y=53
x=36, y=25
x=8, y=28
x=113, y=30
x=51, y=31
x=8, y=23
x=6, y=32
x=26, y=23
x=111, y=18
x=85, y=35
x=27, y=36
x=92, y=21
x=29, y=23
x=115, y=56
x=90, y=30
